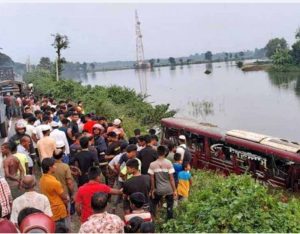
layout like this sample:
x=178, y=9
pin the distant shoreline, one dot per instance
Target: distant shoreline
x=164, y=65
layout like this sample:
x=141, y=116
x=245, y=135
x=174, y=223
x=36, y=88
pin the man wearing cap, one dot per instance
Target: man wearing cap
x=20, y=129
x=30, y=198
x=46, y=146
x=117, y=129
x=182, y=146
x=59, y=136
x=38, y=131
x=183, y=150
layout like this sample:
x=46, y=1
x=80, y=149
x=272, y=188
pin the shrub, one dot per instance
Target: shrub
x=233, y=204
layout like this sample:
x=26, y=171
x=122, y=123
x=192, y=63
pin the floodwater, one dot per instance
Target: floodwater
x=228, y=97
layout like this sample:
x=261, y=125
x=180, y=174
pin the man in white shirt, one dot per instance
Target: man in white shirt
x=59, y=136
x=30, y=198
x=182, y=146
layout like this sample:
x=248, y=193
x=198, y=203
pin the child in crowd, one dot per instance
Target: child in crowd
x=177, y=166
x=184, y=182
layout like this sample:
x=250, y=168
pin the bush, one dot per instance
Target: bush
x=233, y=204
x=111, y=102
x=239, y=64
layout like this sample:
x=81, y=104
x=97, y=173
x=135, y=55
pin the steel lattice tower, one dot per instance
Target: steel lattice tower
x=140, y=59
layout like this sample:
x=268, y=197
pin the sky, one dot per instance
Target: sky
x=100, y=32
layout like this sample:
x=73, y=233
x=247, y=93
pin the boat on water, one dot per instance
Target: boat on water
x=274, y=161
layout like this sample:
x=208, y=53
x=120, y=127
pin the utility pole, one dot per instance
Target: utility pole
x=57, y=75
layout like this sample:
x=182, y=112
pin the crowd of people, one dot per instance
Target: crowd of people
x=63, y=162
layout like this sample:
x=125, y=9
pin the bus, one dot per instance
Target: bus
x=272, y=160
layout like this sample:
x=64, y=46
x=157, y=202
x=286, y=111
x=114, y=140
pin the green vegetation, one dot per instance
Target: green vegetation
x=233, y=204
x=239, y=64
x=111, y=102
x=283, y=58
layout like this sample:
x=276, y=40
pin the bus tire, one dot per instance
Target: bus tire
x=3, y=129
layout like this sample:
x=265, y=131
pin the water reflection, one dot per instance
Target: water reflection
x=142, y=77
x=208, y=68
x=286, y=80
x=201, y=108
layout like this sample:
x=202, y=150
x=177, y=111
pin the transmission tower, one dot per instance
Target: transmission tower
x=140, y=59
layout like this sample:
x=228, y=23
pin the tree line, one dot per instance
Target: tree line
x=283, y=56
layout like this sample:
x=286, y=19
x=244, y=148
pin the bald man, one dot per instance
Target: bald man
x=30, y=198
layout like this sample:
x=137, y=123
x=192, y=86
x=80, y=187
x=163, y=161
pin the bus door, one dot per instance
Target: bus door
x=281, y=172
x=195, y=144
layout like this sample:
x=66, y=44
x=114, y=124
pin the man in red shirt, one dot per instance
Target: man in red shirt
x=86, y=191
x=88, y=126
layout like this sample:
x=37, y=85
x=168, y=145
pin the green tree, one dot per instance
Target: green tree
x=241, y=54
x=230, y=55
x=281, y=58
x=181, y=61
x=92, y=66
x=226, y=56
x=188, y=61
x=45, y=63
x=157, y=60
x=152, y=62
x=208, y=55
x=172, y=61
x=296, y=52
x=84, y=67
x=61, y=42
x=275, y=44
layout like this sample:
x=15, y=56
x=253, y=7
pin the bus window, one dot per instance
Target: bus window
x=280, y=166
x=196, y=143
x=171, y=134
x=218, y=149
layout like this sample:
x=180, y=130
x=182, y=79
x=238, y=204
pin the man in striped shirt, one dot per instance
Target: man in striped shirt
x=162, y=181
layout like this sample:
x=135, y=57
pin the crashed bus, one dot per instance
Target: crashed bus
x=269, y=159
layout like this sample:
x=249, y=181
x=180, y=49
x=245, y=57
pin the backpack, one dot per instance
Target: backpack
x=187, y=157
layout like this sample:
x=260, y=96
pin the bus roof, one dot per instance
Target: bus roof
x=194, y=127
x=251, y=140
x=251, y=136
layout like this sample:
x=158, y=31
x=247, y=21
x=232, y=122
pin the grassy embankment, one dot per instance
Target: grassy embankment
x=111, y=102
x=233, y=204
x=268, y=66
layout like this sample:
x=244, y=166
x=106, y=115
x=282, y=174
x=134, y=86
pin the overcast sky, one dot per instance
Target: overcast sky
x=106, y=32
